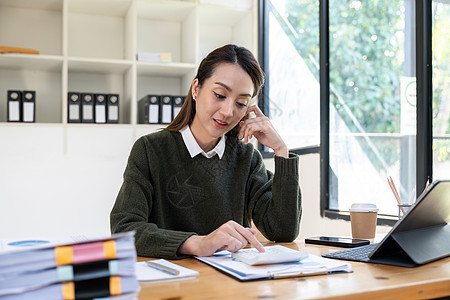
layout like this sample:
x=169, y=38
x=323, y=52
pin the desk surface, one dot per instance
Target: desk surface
x=368, y=281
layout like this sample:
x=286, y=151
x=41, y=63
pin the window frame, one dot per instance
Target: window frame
x=424, y=137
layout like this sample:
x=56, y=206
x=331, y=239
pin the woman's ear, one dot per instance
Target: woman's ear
x=194, y=89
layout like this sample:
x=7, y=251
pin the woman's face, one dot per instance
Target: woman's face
x=221, y=102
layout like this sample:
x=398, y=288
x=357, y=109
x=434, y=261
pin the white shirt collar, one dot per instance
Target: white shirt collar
x=194, y=148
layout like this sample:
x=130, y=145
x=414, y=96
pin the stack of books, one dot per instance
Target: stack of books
x=94, y=268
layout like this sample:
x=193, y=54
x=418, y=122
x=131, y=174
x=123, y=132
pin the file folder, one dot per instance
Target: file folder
x=309, y=266
x=112, y=108
x=177, y=103
x=166, y=109
x=14, y=106
x=148, y=110
x=100, y=108
x=87, y=108
x=73, y=107
x=29, y=106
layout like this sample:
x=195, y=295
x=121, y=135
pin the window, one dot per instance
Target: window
x=441, y=88
x=366, y=67
x=292, y=95
x=372, y=131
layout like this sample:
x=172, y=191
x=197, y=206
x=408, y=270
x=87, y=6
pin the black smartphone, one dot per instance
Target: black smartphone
x=336, y=241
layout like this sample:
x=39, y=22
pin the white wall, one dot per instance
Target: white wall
x=57, y=180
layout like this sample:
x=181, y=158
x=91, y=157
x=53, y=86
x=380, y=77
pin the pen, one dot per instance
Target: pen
x=163, y=268
x=428, y=183
x=394, y=190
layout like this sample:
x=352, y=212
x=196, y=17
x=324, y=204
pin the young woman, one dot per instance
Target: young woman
x=194, y=187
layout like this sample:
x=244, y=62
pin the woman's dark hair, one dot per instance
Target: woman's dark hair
x=227, y=54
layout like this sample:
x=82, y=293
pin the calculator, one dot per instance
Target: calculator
x=274, y=255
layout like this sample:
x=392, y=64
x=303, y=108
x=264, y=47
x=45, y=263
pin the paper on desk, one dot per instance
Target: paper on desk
x=223, y=261
x=26, y=243
x=146, y=274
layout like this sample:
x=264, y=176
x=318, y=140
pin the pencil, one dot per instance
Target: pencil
x=162, y=267
x=394, y=191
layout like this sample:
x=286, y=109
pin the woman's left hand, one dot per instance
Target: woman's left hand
x=261, y=128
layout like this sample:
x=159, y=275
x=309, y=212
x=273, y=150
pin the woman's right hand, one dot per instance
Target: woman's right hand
x=230, y=236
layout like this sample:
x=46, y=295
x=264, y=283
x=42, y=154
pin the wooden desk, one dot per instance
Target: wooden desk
x=368, y=281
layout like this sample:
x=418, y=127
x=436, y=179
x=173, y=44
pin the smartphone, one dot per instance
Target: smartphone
x=336, y=241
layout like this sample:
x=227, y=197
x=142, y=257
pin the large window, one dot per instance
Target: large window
x=292, y=96
x=441, y=88
x=372, y=131
x=370, y=80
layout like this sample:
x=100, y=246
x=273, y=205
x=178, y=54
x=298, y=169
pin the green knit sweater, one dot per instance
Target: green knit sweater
x=167, y=196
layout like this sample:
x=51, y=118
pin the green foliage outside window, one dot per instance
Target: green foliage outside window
x=366, y=63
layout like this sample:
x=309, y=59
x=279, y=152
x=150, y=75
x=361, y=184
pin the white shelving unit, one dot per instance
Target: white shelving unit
x=91, y=46
x=58, y=178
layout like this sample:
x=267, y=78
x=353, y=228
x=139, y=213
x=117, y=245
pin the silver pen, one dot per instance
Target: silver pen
x=163, y=268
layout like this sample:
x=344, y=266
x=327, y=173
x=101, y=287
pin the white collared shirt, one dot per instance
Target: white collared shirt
x=194, y=148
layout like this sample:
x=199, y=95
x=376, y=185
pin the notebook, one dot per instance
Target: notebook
x=146, y=274
x=421, y=236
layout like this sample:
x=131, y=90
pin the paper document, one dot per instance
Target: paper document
x=14, y=244
x=146, y=274
x=313, y=265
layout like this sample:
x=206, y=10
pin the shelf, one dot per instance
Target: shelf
x=55, y=5
x=25, y=26
x=140, y=127
x=40, y=62
x=93, y=65
x=116, y=8
x=174, y=11
x=91, y=46
x=221, y=15
x=165, y=69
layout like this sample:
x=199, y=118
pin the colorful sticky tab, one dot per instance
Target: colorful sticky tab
x=114, y=286
x=88, y=252
x=65, y=273
x=109, y=247
x=63, y=255
x=68, y=291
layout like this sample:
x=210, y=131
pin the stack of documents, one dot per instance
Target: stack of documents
x=154, y=56
x=312, y=265
x=100, y=267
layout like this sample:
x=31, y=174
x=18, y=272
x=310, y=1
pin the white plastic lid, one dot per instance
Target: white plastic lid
x=363, y=207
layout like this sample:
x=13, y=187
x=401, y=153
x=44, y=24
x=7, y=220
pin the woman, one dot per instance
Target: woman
x=194, y=187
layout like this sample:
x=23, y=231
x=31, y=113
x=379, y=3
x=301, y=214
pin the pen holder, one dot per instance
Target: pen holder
x=402, y=209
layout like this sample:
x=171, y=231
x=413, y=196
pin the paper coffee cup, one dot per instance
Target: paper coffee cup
x=363, y=218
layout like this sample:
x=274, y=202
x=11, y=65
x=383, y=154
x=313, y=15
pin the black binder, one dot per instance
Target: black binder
x=100, y=108
x=112, y=108
x=29, y=106
x=87, y=108
x=165, y=109
x=73, y=107
x=148, y=110
x=14, y=106
x=177, y=102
